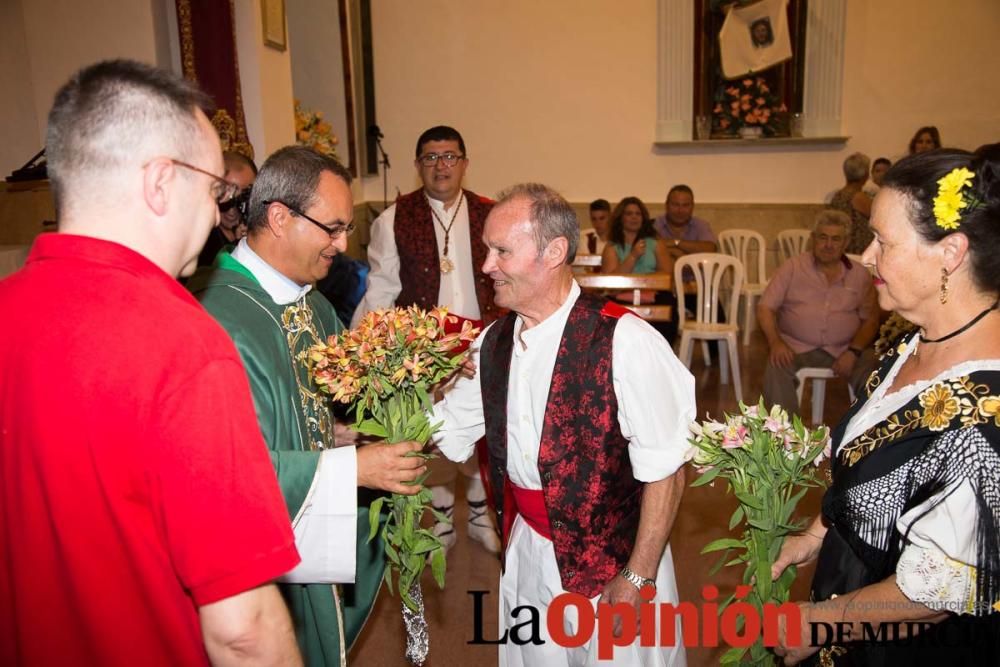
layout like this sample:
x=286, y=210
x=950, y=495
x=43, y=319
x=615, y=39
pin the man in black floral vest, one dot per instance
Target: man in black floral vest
x=585, y=410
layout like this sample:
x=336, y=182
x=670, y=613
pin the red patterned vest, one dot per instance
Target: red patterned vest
x=418, y=252
x=591, y=496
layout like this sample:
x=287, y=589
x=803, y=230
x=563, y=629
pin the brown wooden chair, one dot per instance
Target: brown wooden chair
x=621, y=282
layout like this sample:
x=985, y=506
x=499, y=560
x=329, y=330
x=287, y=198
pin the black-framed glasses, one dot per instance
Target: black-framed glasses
x=334, y=231
x=222, y=190
x=450, y=159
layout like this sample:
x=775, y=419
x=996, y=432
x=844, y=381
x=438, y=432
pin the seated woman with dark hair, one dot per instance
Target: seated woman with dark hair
x=634, y=246
x=909, y=534
x=925, y=139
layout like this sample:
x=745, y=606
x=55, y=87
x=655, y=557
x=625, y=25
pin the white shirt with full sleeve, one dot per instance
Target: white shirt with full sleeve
x=656, y=404
x=328, y=517
x=458, y=287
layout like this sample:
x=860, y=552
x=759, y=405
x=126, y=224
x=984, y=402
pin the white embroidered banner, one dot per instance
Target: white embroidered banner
x=754, y=38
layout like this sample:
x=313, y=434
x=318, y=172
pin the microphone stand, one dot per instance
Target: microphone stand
x=385, y=169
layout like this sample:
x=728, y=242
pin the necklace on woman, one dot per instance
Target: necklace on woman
x=968, y=325
x=446, y=265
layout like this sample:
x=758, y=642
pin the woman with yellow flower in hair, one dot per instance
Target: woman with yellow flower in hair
x=908, y=540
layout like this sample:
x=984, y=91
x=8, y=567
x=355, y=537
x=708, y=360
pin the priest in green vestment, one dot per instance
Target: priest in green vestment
x=261, y=292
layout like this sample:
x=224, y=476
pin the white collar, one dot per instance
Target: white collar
x=554, y=323
x=440, y=205
x=279, y=287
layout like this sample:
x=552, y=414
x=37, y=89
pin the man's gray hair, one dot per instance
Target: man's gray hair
x=291, y=176
x=114, y=115
x=832, y=217
x=550, y=214
x=856, y=167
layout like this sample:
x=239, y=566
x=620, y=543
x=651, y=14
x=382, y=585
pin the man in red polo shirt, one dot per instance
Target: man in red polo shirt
x=140, y=518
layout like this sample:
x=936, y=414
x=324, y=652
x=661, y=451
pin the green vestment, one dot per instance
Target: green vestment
x=297, y=425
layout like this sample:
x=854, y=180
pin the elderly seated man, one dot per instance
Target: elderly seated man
x=819, y=310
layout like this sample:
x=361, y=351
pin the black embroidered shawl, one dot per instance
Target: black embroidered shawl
x=946, y=434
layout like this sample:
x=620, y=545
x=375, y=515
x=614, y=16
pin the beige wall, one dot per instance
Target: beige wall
x=564, y=91
x=266, y=82
x=18, y=116
x=45, y=41
x=42, y=42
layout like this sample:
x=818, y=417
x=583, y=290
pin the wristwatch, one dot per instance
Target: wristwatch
x=637, y=581
x=856, y=350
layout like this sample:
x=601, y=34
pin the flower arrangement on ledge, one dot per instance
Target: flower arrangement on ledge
x=312, y=131
x=749, y=104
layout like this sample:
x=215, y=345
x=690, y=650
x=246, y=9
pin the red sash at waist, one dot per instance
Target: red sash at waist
x=531, y=505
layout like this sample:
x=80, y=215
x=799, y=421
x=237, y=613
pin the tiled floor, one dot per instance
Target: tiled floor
x=703, y=517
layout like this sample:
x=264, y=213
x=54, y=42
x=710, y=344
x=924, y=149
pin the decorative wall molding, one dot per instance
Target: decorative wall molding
x=674, y=69
x=824, y=85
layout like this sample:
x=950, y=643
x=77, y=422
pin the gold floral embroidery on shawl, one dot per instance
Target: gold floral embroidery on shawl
x=297, y=321
x=953, y=403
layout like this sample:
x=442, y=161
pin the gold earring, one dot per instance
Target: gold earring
x=944, y=285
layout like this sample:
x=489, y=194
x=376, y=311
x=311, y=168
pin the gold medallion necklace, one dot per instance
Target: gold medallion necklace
x=446, y=265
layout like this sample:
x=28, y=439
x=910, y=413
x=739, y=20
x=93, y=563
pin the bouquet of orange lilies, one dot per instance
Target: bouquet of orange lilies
x=385, y=369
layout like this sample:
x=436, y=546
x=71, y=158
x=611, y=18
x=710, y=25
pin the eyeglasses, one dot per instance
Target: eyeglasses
x=450, y=159
x=222, y=190
x=334, y=231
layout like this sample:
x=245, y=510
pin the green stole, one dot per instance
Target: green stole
x=297, y=425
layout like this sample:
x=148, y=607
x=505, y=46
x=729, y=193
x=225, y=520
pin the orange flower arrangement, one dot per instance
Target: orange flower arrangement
x=748, y=102
x=312, y=131
x=385, y=369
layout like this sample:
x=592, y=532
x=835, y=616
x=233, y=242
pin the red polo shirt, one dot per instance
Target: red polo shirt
x=134, y=481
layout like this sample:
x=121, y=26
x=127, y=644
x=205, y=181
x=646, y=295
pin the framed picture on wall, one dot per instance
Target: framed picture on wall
x=273, y=15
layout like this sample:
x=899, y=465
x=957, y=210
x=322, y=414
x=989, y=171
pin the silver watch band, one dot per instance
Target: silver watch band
x=636, y=580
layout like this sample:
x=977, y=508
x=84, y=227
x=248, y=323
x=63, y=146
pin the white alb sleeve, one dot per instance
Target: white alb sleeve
x=327, y=524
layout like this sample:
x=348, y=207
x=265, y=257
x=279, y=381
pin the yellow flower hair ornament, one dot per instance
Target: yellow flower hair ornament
x=950, y=201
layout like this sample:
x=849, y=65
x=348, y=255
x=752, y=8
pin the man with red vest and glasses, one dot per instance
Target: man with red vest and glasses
x=426, y=250
x=586, y=411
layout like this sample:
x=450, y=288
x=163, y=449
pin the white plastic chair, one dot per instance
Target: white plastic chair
x=739, y=243
x=713, y=273
x=793, y=242
x=819, y=376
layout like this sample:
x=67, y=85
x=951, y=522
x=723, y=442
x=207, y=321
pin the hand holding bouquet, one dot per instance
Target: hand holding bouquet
x=769, y=464
x=385, y=369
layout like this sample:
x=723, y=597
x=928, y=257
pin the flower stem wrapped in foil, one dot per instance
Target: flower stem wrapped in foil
x=417, y=639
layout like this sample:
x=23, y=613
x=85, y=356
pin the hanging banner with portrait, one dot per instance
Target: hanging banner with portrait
x=754, y=38
x=749, y=67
